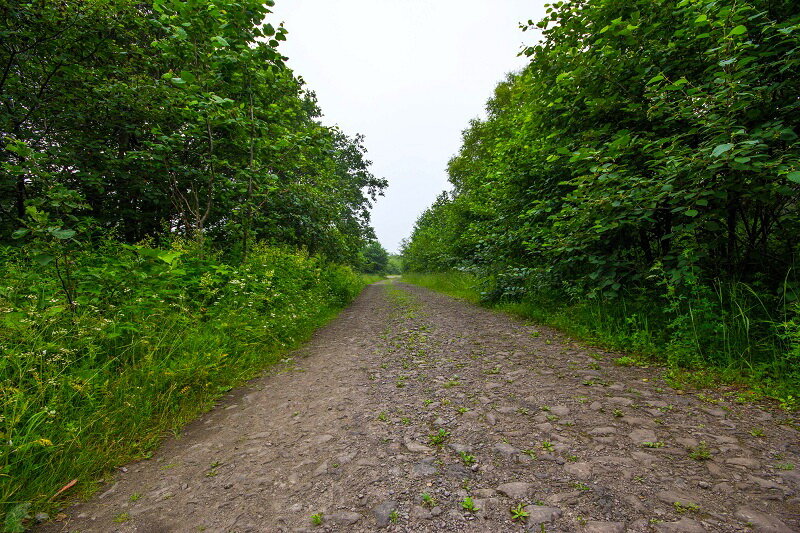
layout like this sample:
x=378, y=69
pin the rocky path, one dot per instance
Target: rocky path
x=416, y=412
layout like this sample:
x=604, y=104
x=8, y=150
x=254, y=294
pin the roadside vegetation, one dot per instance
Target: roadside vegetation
x=157, y=336
x=637, y=183
x=173, y=218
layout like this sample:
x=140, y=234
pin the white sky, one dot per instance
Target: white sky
x=408, y=74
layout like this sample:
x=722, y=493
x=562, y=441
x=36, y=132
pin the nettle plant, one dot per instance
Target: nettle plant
x=51, y=227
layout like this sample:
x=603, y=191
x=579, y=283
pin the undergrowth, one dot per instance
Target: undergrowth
x=711, y=336
x=110, y=350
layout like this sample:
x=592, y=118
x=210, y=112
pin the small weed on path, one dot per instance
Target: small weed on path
x=701, y=452
x=518, y=513
x=469, y=505
x=428, y=500
x=439, y=438
x=467, y=459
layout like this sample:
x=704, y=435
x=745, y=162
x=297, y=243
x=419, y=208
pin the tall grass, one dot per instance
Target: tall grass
x=459, y=284
x=155, y=338
x=730, y=330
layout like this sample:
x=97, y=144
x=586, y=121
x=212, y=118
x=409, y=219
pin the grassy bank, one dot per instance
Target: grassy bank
x=717, y=335
x=105, y=352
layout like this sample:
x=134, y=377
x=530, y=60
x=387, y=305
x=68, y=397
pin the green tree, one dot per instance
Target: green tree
x=174, y=117
x=648, y=151
x=375, y=258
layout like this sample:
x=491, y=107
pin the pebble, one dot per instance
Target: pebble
x=459, y=471
x=619, y=400
x=643, y=435
x=761, y=522
x=517, y=490
x=602, y=431
x=539, y=514
x=423, y=469
x=644, y=458
x=636, y=421
x=684, y=525
x=322, y=439
x=687, y=442
x=743, y=461
x=724, y=488
x=580, y=471
x=459, y=447
x=383, y=512
x=420, y=512
x=416, y=447
x=765, y=483
x=713, y=411
x=506, y=450
x=344, y=518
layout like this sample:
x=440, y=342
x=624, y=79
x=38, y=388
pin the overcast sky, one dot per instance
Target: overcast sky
x=409, y=75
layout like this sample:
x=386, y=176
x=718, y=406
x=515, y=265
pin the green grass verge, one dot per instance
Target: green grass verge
x=368, y=279
x=156, y=337
x=459, y=284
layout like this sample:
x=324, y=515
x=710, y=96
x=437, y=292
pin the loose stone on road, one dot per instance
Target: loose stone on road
x=413, y=411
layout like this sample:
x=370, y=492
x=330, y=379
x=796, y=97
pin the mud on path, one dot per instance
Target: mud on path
x=411, y=392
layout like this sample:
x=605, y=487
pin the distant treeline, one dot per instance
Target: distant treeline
x=647, y=160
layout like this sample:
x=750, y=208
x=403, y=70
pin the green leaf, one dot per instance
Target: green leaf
x=43, y=259
x=701, y=18
x=738, y=30
x=169, y=257
x=794, y=176
x=220, y=40
x=62, y=234
x=691, y=213
x=721, y=149
x=655, y=79
x=20, y=233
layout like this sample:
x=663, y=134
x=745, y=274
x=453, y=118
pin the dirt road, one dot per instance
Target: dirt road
x=410, y=392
